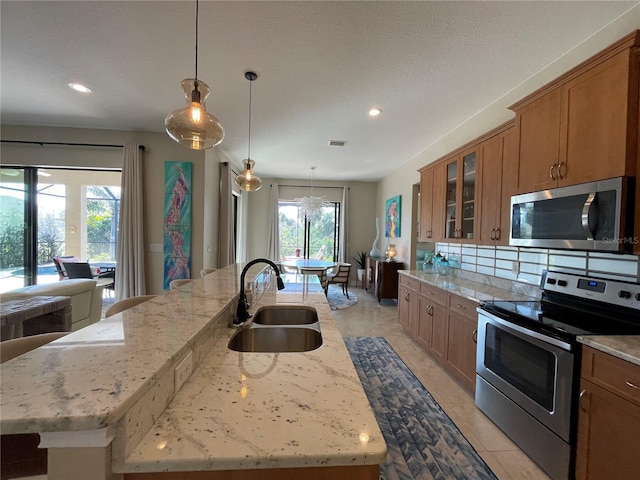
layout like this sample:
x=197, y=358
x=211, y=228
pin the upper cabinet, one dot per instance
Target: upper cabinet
x=432, y=203
x=461, y=174
x=496, y=184
x=583, y=126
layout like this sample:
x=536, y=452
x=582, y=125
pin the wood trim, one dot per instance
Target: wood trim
x=629, y=41
x=473, y=143
x=357, y=472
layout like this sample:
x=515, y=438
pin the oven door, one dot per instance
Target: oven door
x=531, y=369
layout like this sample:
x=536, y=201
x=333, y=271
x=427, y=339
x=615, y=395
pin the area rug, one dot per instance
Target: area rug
x=422, y=440
x=338, y=300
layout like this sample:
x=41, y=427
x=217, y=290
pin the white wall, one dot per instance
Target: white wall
x=495, y=114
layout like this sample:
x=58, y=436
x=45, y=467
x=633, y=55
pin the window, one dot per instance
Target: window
x=300, y=237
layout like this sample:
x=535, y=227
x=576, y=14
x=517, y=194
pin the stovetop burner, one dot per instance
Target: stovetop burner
x=576, y=305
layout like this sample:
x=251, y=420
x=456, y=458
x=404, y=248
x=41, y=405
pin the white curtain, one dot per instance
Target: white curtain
x=130, y=272
x=226, y=238
x=343, y=254
x=273, y=247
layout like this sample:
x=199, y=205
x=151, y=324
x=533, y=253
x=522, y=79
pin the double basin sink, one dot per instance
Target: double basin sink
x=279, y=329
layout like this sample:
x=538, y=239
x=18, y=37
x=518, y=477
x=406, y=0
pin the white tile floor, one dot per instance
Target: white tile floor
x=368, y=318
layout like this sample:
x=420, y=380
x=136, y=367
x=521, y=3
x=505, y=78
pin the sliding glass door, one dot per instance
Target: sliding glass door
x=46, y=213
x=301, y=237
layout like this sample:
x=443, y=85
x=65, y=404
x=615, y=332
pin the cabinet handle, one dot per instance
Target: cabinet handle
x=632, y=385
x=406, y=296
x=429, y=310
x=429, y=233
x=493, y=234
x=561, y=170
x=474, y=336
x=497, y=234
x=460, y=306
x=551, y=175
x=582, y=394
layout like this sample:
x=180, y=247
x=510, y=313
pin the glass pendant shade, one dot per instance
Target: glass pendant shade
x=192, y=126
x=248, y=181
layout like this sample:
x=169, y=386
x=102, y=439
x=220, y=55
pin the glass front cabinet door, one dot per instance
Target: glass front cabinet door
x=461, y=197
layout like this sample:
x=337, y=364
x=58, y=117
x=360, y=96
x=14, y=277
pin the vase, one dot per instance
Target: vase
x=375, y=253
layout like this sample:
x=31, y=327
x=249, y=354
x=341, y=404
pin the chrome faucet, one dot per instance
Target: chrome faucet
x=241, y=313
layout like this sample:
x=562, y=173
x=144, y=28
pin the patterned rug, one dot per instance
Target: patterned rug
x=338, y=300
x=422, y=440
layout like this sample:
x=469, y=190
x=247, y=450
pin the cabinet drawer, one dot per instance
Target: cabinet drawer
x=433, y=293
x=612, y=373
x=408, y=282
x=463, y=306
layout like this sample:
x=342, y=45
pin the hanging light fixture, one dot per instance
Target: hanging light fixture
x=193, y=126
x=249, y=181
x=311, y=204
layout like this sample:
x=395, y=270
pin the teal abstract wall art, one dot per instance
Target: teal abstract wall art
x=177, y=221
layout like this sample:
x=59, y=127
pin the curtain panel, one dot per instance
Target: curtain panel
x=226, y=238
x=130, y=270
x=273, y=247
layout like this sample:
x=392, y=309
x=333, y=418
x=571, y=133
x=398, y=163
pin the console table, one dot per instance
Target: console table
x=381, y=277
x=34, y=315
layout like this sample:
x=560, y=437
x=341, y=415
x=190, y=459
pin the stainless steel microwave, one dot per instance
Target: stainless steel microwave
x=589, y=216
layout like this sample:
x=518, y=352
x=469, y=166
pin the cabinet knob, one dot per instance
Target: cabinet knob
x=552, y=175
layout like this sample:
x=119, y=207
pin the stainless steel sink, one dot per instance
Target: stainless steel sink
x=276, y=340
x=285, y=315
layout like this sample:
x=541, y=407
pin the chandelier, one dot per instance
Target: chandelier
x=311, y=205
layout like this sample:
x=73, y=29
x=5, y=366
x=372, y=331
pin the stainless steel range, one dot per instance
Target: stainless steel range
x=528, y=360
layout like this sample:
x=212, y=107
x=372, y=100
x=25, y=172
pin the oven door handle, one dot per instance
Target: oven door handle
x=525, y=331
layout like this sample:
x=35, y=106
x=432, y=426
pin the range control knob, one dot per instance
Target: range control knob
x=551, y=281
x=638, y=296
x=562, y=283
x=624, y=294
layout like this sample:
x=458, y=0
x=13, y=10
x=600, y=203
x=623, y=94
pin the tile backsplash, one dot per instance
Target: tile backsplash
x=526, y=264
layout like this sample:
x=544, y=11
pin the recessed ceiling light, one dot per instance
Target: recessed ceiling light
x=374, y=112
x=80, y=88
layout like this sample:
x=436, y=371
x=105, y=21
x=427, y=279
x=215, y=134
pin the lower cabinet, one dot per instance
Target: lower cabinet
x=608, y=418
x=444, y=324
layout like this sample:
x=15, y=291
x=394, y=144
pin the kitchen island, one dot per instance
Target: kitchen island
x=108, y=393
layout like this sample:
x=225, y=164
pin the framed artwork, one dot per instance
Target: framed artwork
x=393, y=212
x=177, y=221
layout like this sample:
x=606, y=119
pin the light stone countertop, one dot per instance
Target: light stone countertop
x=264, y=410
x=474, y=290
x=118, y=375
x=626, y=347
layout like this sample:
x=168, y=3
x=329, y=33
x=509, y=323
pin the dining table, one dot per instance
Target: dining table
x=309, y=264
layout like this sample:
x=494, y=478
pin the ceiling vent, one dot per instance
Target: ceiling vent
x=337, y=143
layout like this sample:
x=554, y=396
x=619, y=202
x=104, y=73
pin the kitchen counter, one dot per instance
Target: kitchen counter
x=626, y=347
x=265, y=410
x=472, y=290
x=109, y=384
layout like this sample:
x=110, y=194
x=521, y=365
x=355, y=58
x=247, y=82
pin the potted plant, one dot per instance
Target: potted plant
x=360, y=258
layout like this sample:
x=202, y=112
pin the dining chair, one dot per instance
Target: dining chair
x=178, y=283
x=20, y=456
x=321, y=274
x=207, y=271
x=341, y=277
x=126, y=304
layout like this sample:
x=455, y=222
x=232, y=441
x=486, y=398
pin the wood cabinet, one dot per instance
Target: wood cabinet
x=460, y=207
x=444, y=324
x=496, y=185
x=583, y=126
x=608, y=418
x=432, y=198
x=382, y=277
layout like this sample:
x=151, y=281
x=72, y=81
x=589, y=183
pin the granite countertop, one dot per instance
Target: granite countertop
x=626, y=347
x=265, y=410
x=118, y=376
x=473, y=290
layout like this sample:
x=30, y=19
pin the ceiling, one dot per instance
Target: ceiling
x=321, y=66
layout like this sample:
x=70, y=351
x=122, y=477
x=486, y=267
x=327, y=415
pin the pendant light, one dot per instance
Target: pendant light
x=193, y=126
x=248, y=181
